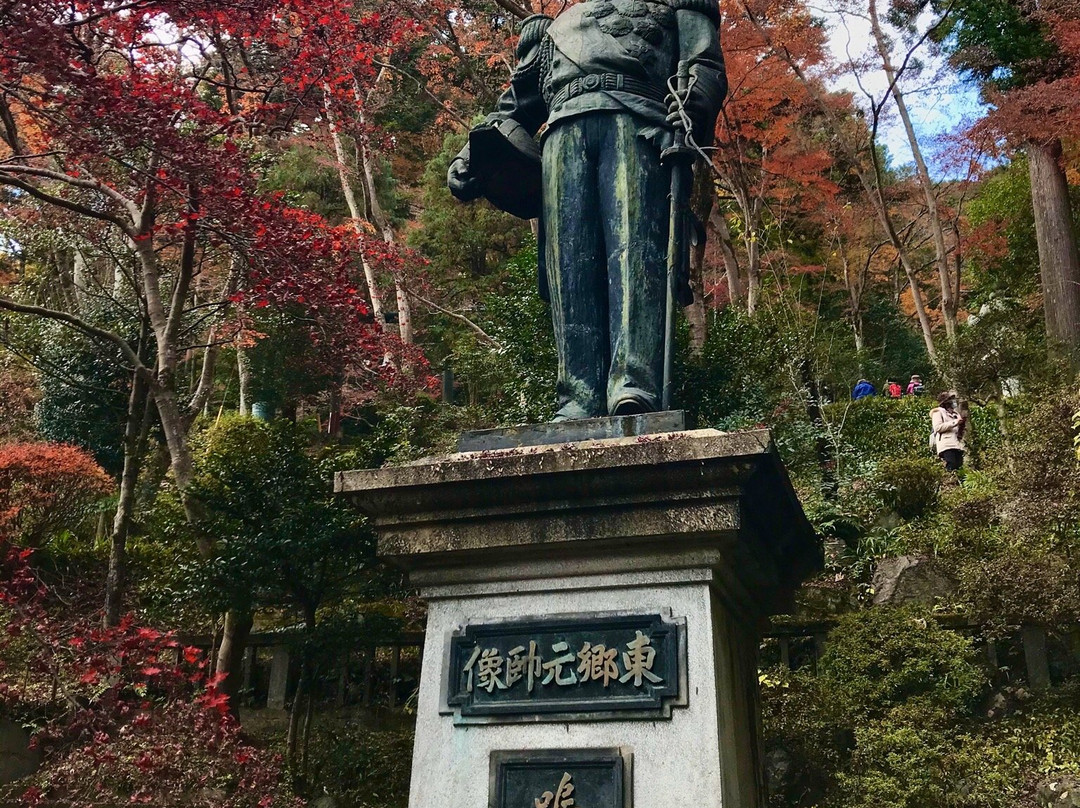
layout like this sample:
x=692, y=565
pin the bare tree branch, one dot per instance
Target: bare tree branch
x=76, y=182
x=80, y=325
x=517, y=10
x=461, y=122
x=60, y=202
x=458, y=316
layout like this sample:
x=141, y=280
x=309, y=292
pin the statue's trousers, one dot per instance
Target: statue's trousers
x=606, y=226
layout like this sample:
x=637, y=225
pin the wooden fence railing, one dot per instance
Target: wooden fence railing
x=386, y=673
x=1040, y=658
x=377, y=674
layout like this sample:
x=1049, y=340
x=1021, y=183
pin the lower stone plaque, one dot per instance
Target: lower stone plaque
x=560, y=778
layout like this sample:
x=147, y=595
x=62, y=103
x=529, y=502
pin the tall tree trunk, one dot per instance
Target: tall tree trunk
x=333, y=423
x=404, y=311
x=920, y=309
x=855, y=297
x=140, y=408
x=855, y=283
x=305, y=743
x=292, y=736
x=753, y=274
x=949, y=301
x=243, y=373
x=120, y=285
x=752, y=242
x=79, y=280
x=382, y=221
x=354, y=211
x=174, y=428
x=736, y=290
x=230, y=655
x=302, y=701
x=822, y=448
x=1059, y=265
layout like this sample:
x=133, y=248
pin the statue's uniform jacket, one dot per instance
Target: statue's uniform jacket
x=643, y=40
x=598, y=77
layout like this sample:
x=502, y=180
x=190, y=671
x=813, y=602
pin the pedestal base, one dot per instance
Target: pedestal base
x=703, y=755
x=594, y=607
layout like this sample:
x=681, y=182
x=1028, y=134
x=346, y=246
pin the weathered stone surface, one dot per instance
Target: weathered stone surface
x=613, y=504
x=279, y=679
x=1036, y=658
x=17, y=759
x=909, y=579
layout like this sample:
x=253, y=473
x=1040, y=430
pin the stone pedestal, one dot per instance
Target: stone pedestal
x=594, y=614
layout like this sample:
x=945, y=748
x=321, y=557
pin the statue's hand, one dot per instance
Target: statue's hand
x=688, y=106
x=684, y=102
x=463, y=184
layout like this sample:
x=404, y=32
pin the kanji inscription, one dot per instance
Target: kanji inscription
x=559, y=778
x=576, y=667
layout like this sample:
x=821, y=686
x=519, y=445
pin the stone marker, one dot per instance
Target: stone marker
x=594, y=611
x=910, y=579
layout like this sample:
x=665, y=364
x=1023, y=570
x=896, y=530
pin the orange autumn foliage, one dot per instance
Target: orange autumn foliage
x=46, y=488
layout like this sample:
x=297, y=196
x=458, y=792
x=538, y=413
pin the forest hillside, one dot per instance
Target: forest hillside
x=230, y=267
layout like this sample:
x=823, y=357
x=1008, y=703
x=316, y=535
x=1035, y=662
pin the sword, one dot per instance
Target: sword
x=679, y=156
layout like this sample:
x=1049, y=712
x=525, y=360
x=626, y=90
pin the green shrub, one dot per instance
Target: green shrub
x=909, y=487
x=1042, y=735
x=875, y=429
x=880, y=659
x=877, y=723
x=361, y=768
x=68, y=413
x=399, y=432
x=902, y=762
x=1036, y=467
x=735, y=381
x=1022, y=585
x=887, y=720
x=281, y=538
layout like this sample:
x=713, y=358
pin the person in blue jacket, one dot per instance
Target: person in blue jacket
x=862, y=390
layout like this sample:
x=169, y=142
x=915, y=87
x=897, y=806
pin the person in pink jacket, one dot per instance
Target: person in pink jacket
x=947, y=434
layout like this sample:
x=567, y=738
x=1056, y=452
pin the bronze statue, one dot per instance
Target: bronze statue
x=622, y=86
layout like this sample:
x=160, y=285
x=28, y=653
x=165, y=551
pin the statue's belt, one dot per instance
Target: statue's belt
x=598, y=82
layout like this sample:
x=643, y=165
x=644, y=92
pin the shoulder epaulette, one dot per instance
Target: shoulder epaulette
x=710, y=8
x=531, y=31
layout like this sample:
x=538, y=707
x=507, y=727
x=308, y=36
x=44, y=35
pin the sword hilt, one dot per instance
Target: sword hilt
x=679, y=150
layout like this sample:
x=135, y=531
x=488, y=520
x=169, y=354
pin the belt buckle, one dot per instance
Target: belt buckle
x=591, y=83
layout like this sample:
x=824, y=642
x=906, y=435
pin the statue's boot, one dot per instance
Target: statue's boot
x=630, y=406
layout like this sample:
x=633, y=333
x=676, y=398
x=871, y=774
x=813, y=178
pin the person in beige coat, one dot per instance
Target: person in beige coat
x=947, y=434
